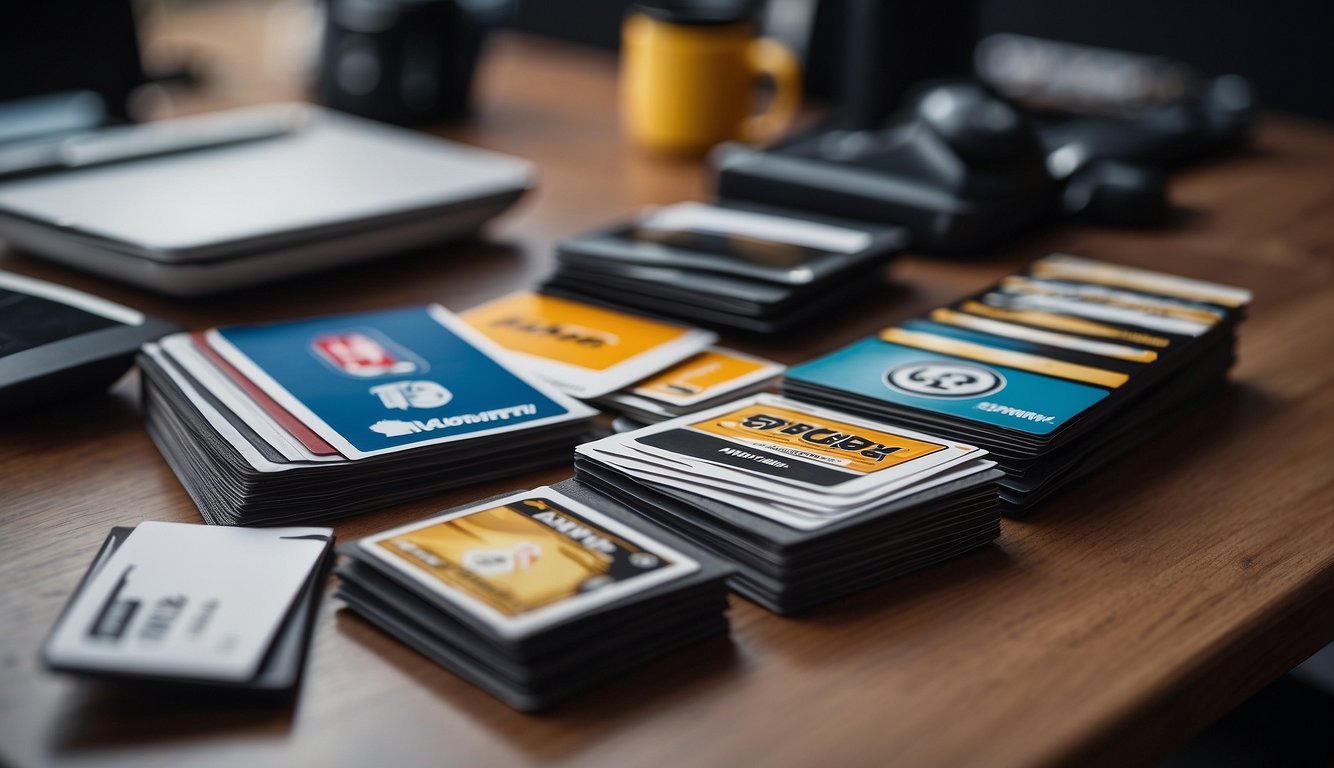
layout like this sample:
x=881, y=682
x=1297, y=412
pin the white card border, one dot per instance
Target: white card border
x=64, y=647
x=536, y=620
x=574, y=409
x=954, y=451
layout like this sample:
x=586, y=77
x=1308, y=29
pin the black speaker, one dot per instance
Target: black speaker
x=892, y=45
x=408, y=62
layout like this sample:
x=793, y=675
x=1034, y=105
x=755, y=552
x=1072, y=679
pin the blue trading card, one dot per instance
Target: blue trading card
x=951, y=385
x=385, y=381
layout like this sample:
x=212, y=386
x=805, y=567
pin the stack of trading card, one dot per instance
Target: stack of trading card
x=708, y=379
x=1055, y=371
x=313, y=419
x=808, y=504
x=196, y=606
x=728, y=265
x=537, y=595
x=585, y=351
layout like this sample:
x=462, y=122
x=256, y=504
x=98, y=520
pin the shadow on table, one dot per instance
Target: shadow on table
x=984, y=563
x=562, y=732
x=1153, y=462
x=1287, y=723
x=91, y=417
x=885, y=300
x=100, y=715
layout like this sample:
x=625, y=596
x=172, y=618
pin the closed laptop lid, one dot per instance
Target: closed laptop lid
x=326, y=171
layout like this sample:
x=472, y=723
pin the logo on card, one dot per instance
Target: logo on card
x=357, y=354
x=400, y=428
x=497, y=562
x=402, y=395
x=395, y=427
x=569, y=333
x=948, y=380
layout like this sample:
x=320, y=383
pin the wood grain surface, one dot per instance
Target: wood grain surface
x=1118, y=621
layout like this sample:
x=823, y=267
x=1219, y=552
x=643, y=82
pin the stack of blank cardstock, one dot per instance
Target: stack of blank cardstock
x=313, y=419
x=537, y=595
x=809, y=504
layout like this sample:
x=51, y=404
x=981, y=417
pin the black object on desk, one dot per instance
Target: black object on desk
x=1049, y=127
x=58, y=344
x=964, y=168
x=959, y=167
x=743, y=267
x=1112, y=122
x=409, y=62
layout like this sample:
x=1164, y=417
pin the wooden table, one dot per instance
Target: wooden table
x=1123, y=618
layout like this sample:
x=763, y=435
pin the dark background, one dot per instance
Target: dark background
x=1285, y=47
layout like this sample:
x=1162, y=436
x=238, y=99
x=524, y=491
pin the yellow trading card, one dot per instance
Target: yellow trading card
x=568, y=331
x=585, y=350
x=850, y=446
x=709, y=374
x=536, y=553
x=770, y=444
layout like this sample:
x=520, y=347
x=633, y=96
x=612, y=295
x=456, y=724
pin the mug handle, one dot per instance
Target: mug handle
x=767, y=56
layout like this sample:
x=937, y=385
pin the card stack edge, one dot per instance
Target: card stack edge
x=1141, y=416
x=182, y=454
x=704, y=591
x=791, y=599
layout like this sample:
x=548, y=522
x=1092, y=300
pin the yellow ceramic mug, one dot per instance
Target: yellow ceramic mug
x=688, y=78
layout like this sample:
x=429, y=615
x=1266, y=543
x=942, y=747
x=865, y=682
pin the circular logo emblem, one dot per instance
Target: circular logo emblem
x=644, y=560
x=934, y=379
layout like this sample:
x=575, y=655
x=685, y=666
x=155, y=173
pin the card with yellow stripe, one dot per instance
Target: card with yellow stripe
x=585, y=350
x=1007, y=389
x=804, y=465
x=1071, y=353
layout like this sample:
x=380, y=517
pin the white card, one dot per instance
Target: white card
x=179, y=600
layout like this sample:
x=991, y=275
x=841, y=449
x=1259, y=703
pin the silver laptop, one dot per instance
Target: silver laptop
x=205, y=204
